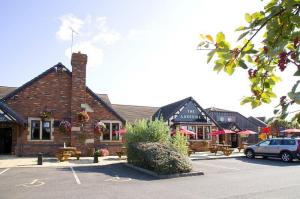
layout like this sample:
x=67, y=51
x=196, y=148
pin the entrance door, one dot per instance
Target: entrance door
x=234, y=140
x=5, y=140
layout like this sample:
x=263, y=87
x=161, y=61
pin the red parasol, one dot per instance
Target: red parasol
x=247, y=132
x=221, y=132
x=291, y=131
x=183, y=131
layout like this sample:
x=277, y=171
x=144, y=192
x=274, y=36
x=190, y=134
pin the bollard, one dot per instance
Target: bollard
x=40, y=159
x=96, y=157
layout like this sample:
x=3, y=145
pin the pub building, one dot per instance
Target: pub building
x=188, y=114
x=43, y=114
x=31, y=115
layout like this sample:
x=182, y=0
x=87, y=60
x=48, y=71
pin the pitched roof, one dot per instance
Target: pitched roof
x=229, y=125
x=168, y=110
x=4, y=90
x=257, y=121
x=10, y=114
x=217, y=109
x=57, y=67
x=105, y=98
x=132, y=113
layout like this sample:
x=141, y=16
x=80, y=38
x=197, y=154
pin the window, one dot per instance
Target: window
x=265, y=143
x=275, y=142
x=106, y=133
x=40, y=130
x=200, y=133
x=46, y=130
x=207, y=130
x=110, y=130
x=35, y=129
x=288, y=142
x=115, y=127
x=222, y=119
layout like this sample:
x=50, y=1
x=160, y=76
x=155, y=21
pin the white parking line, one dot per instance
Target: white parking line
x=4, y=171
x=218, y=166
x=75, y=176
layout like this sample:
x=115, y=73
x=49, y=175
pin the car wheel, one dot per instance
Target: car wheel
x=286, y=157
x=250, y=153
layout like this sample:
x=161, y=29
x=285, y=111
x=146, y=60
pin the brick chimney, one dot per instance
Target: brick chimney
x=78, y=92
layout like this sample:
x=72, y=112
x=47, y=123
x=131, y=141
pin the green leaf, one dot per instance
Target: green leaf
x=267, y=85
x=276, y=111
x=210, y=55
x=248, y=18
x=242, y=64
x=248, y=58
x=241, y=28
x=220, y=37
x=255, y=103
x=297, y=73
x=218, y=67
x=246, y=100
x=243, y=35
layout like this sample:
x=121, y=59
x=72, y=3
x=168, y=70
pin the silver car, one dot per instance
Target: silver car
x=285, y=148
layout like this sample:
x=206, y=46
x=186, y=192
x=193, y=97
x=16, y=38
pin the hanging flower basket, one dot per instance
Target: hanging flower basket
x=99, y=127
x=83, y=117
x=65, y=127
x=45, y=115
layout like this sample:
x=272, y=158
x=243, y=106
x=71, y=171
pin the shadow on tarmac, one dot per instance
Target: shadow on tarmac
x=113, y=170
x=277, y=162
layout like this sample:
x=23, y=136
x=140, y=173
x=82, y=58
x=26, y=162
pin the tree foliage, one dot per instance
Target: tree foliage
x=279, y=23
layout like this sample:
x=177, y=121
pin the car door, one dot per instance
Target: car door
x=262, y=147
x=274, y=147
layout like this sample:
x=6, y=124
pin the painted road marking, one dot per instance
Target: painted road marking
x=75, y=176
x=218, y=166
x=34, y=183
x=4, y=171
x=118, y=179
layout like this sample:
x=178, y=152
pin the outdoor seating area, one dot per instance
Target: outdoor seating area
x=226, y=149
x=64, y=153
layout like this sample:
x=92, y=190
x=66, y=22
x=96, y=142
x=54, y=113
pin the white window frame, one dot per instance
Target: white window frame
x=110, y=130
x=41, y=129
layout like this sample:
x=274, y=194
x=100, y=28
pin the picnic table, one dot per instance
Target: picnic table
x=225, y=148
x=243, y=146
x=64, y=153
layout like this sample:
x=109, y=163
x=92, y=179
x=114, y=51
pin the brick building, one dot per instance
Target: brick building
x=61, y=95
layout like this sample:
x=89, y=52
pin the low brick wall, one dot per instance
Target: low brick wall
x=199, y=145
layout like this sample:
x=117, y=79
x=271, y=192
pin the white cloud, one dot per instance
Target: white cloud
x=105, y=35
x=92, y=33
x=95, y=54
x=67, y=22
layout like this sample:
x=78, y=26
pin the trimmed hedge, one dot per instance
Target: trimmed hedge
x=158, y=157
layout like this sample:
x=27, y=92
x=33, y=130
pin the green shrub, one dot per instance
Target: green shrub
x=161, y=158
x=180, y=143
x=147, y=131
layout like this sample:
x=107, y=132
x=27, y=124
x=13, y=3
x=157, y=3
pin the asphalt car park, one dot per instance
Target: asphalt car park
x=224, y=178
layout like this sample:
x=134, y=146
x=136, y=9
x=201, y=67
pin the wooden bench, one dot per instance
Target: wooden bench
x=213, y=149
x=64, y=153
x=228, y=151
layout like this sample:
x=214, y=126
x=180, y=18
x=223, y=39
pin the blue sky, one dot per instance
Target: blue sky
x=140, y=52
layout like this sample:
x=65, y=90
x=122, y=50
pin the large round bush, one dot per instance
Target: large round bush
x=161, y=158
